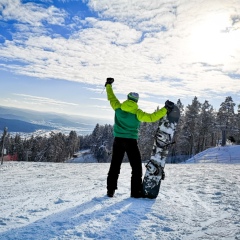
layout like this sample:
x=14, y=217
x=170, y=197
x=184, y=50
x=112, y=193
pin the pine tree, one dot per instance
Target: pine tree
x=107, y=140
x=39, y=148
x=190, y=133
x=95, y=139
x=73, y=143
x=181, y=107
x=85, y=142
x=205, y=126
x=226, y=120
x=237, y=133
x=10, y=145
x=19, y=148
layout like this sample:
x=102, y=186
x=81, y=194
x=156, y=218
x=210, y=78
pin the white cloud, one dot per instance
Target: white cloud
x=100, y=99
x=30, y=13
x=169, y=48
x=35, y=100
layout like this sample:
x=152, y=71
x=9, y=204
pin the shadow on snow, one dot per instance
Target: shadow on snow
x=117, y=221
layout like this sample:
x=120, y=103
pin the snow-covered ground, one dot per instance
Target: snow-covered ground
x=227, y=154
x=42, y=201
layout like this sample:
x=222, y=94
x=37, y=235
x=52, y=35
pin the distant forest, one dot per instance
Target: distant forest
x=199, y=128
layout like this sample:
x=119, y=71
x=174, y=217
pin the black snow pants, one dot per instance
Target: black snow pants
x=130, y=146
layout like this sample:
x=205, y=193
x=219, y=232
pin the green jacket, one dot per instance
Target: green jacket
x=128, y=116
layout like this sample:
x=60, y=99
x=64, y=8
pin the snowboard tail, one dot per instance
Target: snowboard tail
x=161, y=146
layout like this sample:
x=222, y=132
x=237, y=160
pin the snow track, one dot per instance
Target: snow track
x=68, y=201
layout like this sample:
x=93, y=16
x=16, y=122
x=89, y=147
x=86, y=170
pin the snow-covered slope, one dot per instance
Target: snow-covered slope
x=43, y=201
x=227, y=154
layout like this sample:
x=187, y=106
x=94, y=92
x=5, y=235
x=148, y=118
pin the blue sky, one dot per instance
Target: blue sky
x=56, y=55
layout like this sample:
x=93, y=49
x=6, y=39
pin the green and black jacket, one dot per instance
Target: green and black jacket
x=128, y=116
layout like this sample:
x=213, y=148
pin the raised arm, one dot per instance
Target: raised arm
x=112, y=98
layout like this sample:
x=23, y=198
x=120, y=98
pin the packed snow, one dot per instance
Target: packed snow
x=226, y=154
x=42, y=201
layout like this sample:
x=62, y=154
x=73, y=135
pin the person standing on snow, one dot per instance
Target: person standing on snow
x=126, y=124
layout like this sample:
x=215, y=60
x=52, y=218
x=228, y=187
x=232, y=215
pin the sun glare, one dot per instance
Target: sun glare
x=213, y=39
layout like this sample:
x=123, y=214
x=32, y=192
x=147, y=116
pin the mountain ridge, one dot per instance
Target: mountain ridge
x=44, y=120
x=15, y=125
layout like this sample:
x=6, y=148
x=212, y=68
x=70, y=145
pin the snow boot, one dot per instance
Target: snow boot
x=110, y=193
x=138, y=194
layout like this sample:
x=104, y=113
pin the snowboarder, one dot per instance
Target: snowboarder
x=126, y=123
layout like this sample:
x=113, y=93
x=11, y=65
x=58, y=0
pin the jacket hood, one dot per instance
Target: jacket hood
x=129, y=106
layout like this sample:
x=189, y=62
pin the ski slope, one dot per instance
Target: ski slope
x=42, y=201
x=228, y=154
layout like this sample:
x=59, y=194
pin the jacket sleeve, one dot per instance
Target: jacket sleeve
x=151, y=117
x=112, y=98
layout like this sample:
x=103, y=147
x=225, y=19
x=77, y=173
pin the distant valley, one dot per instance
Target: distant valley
x=14, y=125
x=33, y=122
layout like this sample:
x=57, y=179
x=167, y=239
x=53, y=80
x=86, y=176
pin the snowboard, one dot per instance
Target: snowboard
x=162, y=143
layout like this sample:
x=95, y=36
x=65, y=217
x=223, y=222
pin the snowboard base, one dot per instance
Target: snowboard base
x=162, y=144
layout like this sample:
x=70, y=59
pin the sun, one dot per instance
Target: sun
x=213, y=39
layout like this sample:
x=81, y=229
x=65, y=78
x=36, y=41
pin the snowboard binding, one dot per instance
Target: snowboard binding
x=152, y=168
x=155, y=169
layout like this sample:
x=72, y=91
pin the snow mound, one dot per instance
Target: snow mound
x=226, y=154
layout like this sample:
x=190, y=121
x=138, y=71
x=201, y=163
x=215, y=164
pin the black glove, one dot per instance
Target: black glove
x=169, y=106
x=109, y=81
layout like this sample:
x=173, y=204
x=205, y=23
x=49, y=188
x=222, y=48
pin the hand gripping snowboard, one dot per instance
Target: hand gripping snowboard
x=162, y=143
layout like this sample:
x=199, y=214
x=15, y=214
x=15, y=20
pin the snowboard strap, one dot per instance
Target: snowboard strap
x=152, y=167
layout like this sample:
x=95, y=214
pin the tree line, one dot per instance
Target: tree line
x=199, y=127
x=56, y=147
x=202, y=127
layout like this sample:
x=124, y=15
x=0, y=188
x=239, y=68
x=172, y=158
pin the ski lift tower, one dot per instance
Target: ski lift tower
x=3, y=139
x=224, y=128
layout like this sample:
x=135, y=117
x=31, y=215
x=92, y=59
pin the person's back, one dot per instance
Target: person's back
x=126, y=126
